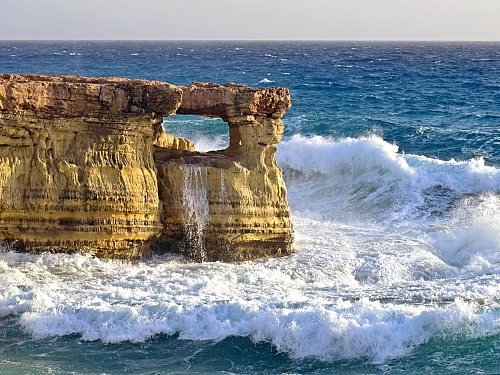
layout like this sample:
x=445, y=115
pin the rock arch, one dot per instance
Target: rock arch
x=86, y=165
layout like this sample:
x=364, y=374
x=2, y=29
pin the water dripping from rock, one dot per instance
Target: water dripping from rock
x=195, y=201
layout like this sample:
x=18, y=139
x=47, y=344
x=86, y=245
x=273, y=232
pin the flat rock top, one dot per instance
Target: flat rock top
x=70, y=79
x=232, y=99
x=74, y=96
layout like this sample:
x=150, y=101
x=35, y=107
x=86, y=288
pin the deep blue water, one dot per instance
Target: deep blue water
x=434, y=99
x=391, y=156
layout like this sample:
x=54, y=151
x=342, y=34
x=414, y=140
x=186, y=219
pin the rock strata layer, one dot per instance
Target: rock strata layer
x=85, y=165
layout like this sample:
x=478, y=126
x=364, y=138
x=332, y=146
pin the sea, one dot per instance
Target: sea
x=391, y=157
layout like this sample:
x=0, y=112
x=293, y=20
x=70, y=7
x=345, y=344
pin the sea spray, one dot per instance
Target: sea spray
x=367, y=179
x=195, y=201
x=452, y=207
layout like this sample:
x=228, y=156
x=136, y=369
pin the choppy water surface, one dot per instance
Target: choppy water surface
x=391, y=158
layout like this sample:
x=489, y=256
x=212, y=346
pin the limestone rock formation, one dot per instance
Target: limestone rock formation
x=86, y=165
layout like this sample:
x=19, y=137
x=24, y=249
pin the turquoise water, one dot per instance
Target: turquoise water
x=391, y=156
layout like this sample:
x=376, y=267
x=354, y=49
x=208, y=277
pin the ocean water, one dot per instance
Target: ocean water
x=391, y=157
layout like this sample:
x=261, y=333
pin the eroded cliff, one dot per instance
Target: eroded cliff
x=86, y=165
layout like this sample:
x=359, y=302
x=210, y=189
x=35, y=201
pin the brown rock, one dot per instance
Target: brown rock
x=214, y=100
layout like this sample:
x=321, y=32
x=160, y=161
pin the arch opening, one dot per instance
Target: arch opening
x=207, y=134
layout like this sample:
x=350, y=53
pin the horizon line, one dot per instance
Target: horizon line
x=260, y=40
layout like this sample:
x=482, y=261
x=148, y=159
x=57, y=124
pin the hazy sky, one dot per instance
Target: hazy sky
x=251, y=19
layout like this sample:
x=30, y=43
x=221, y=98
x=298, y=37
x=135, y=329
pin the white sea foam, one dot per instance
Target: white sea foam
x=113, y=302
x=471, y=234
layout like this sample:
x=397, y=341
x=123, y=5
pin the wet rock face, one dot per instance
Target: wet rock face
x=85, y=165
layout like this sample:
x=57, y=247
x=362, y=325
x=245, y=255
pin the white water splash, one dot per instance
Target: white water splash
x=265, y=80
x=451, y=206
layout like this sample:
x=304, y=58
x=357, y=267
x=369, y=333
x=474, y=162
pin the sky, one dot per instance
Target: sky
x=250, y=19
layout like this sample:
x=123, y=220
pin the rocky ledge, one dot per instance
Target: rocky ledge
x=86, y=166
